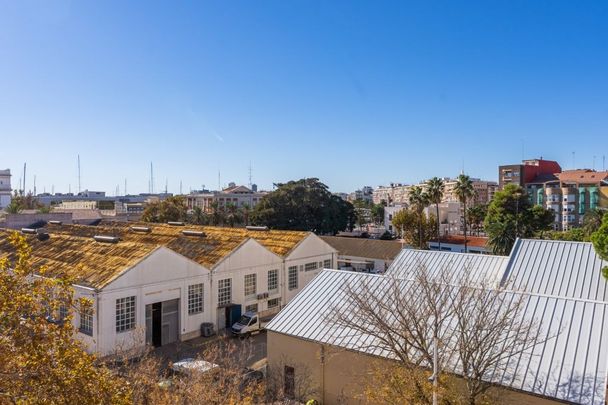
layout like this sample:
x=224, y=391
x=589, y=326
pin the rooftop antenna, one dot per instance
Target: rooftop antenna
x=573, y=160
x=166, y=185
x=79, y=173
x=250, y=182
x=53, y=189
x=125, y=186
x=24, y=169
x=180, y=187
x=34, y=184
x=117, y=190
x=69, y=188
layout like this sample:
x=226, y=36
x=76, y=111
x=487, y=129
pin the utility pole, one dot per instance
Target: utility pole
x=125, y=186
x=24, y=170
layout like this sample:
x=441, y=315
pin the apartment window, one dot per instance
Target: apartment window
x=292, y=275
x=310, y=266
x=125, y=314
x=273, y=303
x=195, y=299
x=224, y=292
x=327, y=264
x=63, y=312
x=86, y=321
x=251, y=308
x=250, y=285
x=273, y=280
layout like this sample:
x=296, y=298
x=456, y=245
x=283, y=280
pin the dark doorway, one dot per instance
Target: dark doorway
x=157, y=317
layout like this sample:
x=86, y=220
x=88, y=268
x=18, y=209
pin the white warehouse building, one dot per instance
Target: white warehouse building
x=154, y=284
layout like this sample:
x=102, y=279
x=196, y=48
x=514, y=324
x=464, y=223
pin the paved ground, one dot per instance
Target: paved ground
x=248, y=351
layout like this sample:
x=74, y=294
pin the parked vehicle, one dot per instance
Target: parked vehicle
x=249, y=323
x=187, y=367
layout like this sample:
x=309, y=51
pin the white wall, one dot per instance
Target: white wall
x=311, y=249
x=250, y=258
x=163, y=275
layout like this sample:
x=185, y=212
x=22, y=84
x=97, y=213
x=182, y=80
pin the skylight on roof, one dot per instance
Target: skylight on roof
x=193, y=233
x=106, y=238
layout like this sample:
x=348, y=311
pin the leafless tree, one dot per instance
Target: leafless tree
x=477, y=326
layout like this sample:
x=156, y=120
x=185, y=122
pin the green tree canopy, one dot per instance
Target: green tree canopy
x=171, y=209
x=511, y=216
x=305, y=205
x=600, y=243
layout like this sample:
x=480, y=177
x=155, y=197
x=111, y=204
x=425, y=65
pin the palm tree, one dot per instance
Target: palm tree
x=418, y=201
x=464, y=191
x=434, y=192
x=198, y=216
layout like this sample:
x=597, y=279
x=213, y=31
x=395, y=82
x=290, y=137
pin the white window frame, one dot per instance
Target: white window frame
x=126, y=310
x=292, y=278
x=327, y=263
x=250, y=287
x=271, y=303
x=196, y=298
x=252, y=308
x=86, y=321
x=311, y=266
x=224, y=292
x=273, y=281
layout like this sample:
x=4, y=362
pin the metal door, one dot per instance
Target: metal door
x=170, y=321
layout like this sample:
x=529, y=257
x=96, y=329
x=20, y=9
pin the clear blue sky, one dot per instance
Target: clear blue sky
x=355, y=93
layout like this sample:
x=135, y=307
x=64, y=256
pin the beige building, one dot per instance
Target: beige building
x=239, y=196
x=568, y=298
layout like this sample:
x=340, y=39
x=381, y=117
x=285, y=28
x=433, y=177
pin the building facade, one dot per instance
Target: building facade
x=570, y=194
x=239, y=196
x=5, y=188
x=527, y=171
x=215, y=275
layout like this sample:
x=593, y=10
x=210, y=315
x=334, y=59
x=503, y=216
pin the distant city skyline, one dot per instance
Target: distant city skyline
x=354, y=94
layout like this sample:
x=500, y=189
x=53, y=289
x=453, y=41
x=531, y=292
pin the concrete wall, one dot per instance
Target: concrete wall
x=18, y=221
x=342, y=376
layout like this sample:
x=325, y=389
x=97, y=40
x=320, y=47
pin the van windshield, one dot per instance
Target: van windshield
x=244, y=320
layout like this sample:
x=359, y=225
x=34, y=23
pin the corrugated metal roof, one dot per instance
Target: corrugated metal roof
x=360, y=247
x=570, y=366
x=558, y=268
x=478, y=268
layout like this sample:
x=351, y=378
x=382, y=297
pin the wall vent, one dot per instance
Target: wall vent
x=29, y=230
x=140, y=229
x=193, y=233
x=256, y=228
x=106, y=239
x=55, y=222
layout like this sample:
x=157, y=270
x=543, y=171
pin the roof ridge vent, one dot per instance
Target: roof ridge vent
x=256, y=228
x=141, y=229
x=106, y=238
x=55, y=222
x=175, y=223
x=32, y=231
x=187, y=232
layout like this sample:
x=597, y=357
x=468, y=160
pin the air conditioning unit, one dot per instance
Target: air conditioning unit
x=262, y=296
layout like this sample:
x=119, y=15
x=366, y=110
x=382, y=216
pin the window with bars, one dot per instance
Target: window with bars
x=273, y=280
x=251, y=308
x=310, y=266
x=250, y=285
x=224, y=292
x=125, y=314
x=86, y=321
x=273, y=303
x=292, y=275
x=195, y=299
x=327, y=264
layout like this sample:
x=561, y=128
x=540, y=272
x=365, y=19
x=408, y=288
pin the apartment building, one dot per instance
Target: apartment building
x=570, y=194
x=527, y=171
x=484, y=191
x=239, y=196
x=5, y=188
x=364, y=194
x=393, y=194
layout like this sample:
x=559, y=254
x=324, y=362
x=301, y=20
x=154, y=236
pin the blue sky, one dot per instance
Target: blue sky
x=355, y=93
